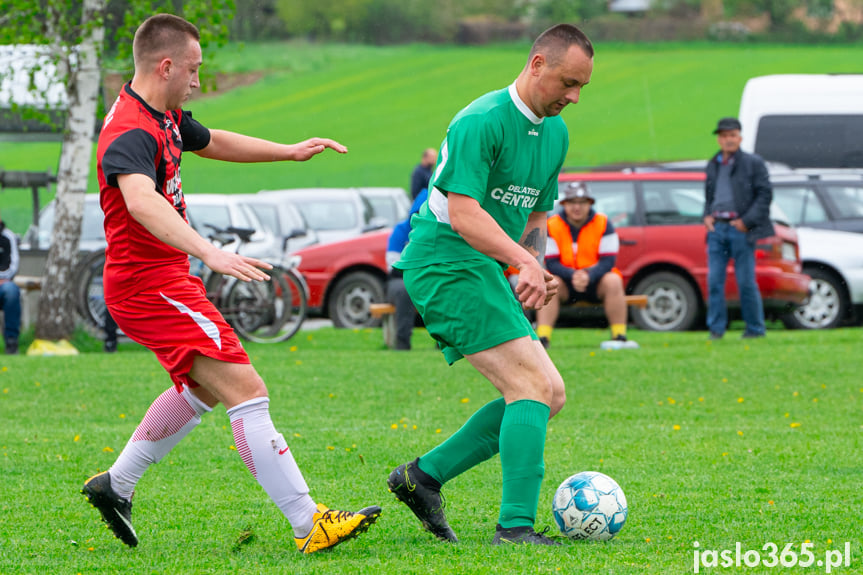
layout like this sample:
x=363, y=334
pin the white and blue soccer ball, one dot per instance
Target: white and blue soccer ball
x=590, y=505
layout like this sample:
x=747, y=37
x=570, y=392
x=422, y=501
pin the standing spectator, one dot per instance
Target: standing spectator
x=422, y=172
x=156, y=302
x=487, y=206
x=10, y=295
x=406, y=312
x=737, y=214
x=582, y=250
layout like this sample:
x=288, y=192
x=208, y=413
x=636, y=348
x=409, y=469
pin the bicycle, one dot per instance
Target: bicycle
x=264, y=312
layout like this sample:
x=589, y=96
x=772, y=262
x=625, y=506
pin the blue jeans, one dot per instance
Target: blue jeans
x=10, y=301
x=723, y=244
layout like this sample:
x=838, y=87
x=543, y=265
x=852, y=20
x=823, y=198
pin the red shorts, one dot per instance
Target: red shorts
x=178, y=323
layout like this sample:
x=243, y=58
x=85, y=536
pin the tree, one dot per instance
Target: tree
x=72, y=33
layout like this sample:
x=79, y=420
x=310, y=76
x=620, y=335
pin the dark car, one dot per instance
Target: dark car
x=826, y=201
x=658, y=218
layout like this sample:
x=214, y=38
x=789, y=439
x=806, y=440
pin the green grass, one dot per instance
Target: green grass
x=715, y=442
x=645, y=102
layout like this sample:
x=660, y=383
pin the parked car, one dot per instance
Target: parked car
x=227, y=210
x=344, y=277
x=92, y=227
x=391, y=204
x=283, y=220
x=827, y=201
x=834, y=261
x=221, y=210
x=658, y=218
x=334, y=213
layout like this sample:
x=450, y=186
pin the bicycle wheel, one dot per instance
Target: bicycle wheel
x=263, y=312
x=88, y=292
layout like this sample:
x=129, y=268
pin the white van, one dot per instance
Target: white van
x=804, y=120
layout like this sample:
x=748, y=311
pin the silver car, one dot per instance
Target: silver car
x=834, y=261
x=334, y=213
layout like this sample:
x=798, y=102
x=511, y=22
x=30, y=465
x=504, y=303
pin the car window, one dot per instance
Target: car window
x=800, y=204
x=329, y=215
x=268, y=216
x=384, y=207
x=614, y=199
x=848, y=200
x=92, y=224
x=673, y=203
x=201, y=215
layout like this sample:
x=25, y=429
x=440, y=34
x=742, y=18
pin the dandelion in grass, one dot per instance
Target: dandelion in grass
x=676, y=427
x=107, y=450
x=438, y=430
x=795, y=425
x=330, y=448
x=232, y=447
x=292, y=348
x=465, y=399
x=122, y=416
x=740, y=433
x=740, y=400
x=394, y=426
x=77, y=437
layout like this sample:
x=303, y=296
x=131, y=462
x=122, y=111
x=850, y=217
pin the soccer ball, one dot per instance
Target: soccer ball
x=589, y=505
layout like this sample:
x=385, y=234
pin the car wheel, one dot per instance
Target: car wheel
x=350, y=299
x=827, y=306
x=671, y=303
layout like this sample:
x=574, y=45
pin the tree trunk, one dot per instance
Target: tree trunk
x=56, y=318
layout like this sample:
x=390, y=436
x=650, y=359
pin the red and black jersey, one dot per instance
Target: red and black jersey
x=137, y=139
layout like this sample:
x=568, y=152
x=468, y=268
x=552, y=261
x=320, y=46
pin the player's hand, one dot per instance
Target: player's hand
x=241, y=267
x=303, y=151
x=739, y=225
x=709, y=221
x=580, y=281
x=551, y=288
x=532, y=286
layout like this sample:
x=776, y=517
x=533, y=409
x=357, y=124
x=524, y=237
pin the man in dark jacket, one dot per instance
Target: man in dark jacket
x=737, y=214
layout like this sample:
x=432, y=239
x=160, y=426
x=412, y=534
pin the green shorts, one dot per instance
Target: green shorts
x=467, y=306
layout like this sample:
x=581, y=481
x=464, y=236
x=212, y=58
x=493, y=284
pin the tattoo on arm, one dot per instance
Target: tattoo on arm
x=534, y=241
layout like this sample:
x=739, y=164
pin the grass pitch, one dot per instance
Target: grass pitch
x=736, y=441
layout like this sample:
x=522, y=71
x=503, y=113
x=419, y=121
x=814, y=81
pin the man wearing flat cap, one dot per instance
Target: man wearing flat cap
x=581, y=253
x=737, y=214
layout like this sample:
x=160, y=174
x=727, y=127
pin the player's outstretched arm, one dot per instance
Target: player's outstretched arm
x=484, y=234
x=233, y=147
x=154, y=213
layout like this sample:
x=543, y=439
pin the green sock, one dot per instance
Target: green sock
x=476, y=441
x=522, y=442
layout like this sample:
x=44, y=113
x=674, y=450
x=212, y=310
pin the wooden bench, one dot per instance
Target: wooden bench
x=386, y=311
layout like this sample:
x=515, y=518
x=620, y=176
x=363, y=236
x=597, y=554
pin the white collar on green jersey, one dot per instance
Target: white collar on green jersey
x=522, y=107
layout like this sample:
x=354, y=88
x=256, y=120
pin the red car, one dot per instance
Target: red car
x=663, y=254
x=663, y=251
x=345, y=277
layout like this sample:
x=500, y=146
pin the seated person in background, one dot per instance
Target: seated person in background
x=10, y=295
x=581, y=253
x=396, y=293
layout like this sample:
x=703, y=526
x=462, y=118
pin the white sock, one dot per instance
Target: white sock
x=265, y=452
x=170, y=418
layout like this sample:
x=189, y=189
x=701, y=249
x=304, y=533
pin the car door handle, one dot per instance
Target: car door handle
x=628, y=242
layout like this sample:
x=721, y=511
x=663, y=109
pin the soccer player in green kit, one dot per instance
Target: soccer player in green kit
x=495, y=179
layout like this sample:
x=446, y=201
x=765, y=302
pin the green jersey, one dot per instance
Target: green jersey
x=498, y=152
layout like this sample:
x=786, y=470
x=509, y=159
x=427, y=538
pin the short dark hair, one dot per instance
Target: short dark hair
x=162, y=34
x=554, y=42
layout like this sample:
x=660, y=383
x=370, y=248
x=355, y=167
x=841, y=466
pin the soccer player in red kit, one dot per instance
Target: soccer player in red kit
x=155, y=301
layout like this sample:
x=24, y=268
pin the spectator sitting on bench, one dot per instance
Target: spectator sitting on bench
x=581, y=253
x=397, y=295
x=10, y=295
